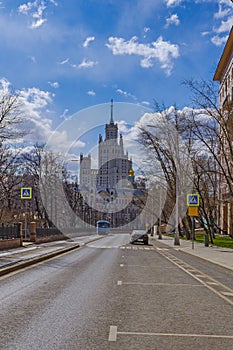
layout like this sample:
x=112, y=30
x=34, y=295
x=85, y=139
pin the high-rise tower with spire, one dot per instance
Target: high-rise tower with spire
x=108, y=188
x=113, y=162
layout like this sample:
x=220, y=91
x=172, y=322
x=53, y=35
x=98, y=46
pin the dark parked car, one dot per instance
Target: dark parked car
x=139, y=236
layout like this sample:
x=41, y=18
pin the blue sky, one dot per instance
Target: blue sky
x=62, y=56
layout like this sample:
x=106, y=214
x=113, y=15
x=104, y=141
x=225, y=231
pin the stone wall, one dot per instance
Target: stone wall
x=10, y=243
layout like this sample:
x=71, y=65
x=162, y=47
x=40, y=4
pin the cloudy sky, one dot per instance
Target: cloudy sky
x=62, y=56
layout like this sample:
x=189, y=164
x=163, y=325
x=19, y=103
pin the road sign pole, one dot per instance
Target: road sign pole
x=193, y=228
x=25, y=220
x=26, y=194
x=193, y=202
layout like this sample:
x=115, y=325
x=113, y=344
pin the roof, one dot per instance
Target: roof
x=227, y=51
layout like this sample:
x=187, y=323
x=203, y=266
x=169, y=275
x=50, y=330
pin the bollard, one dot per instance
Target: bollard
x=20, y=230
x=206, y=241
x=32, y=231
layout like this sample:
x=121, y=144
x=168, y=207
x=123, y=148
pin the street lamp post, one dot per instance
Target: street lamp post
x=160, y=214
x=176, y=236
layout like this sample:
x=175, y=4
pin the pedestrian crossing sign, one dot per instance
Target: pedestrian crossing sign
x=193, y=200
x=26, y=193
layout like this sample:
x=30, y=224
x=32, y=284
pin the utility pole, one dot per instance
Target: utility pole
x=176, y=236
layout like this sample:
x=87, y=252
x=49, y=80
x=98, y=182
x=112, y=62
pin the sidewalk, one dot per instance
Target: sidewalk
x=31, y=253
x=217, y=255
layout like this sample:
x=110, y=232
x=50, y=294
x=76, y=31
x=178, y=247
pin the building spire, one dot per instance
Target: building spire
x=111, y=119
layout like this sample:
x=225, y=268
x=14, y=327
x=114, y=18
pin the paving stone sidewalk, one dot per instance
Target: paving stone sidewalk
x=31, y=253
x=218, y=255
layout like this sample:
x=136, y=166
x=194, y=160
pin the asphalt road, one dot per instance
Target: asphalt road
x=111, y=295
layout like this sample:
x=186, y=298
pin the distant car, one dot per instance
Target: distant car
x=139, y=236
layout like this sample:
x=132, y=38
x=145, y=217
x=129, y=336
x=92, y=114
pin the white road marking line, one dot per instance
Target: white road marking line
x=201, y=276
x=120, y=283
x=201, y=281
x=151, y=266
x=212, y=283
x=112, y=333
x=227, y=293
x=218, y=336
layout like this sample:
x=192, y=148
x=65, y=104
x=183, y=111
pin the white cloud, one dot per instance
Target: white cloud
x=146, y=103
x=205, y=33
x=91, y=93
x=54, y=84
x=226, y=2
x=88, y=40
x=172, y=2
x=225, y=26
x=218, y=41
x=36, y=11
x=86, y=64
x=64, y=61
x=25, y=8
x=146, y=29
x=54, y=2
x=33, y=59
x=4, y=85
x=65, y=114
x=34, y=103
x=225, y=18
x=221, y=12
x=126, y=94
x=173, y=19
x=146, y=62
x=77, y=144
x=38, y=23
x=160, y=50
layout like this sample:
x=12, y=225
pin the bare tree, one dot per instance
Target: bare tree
x=204, y=131
x=168, y=160
x=215, y=134
x=9, y=183
x=11, y=116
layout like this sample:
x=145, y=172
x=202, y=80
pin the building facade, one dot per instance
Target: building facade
x=111, y=190
x=224, y=75
x=114, y=164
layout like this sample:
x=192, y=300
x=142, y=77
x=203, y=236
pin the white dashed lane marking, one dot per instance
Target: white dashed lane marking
x=113, y=333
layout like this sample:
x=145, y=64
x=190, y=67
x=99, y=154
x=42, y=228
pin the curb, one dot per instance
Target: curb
x=29, y=262
x=20, y=265
x=179, y=248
